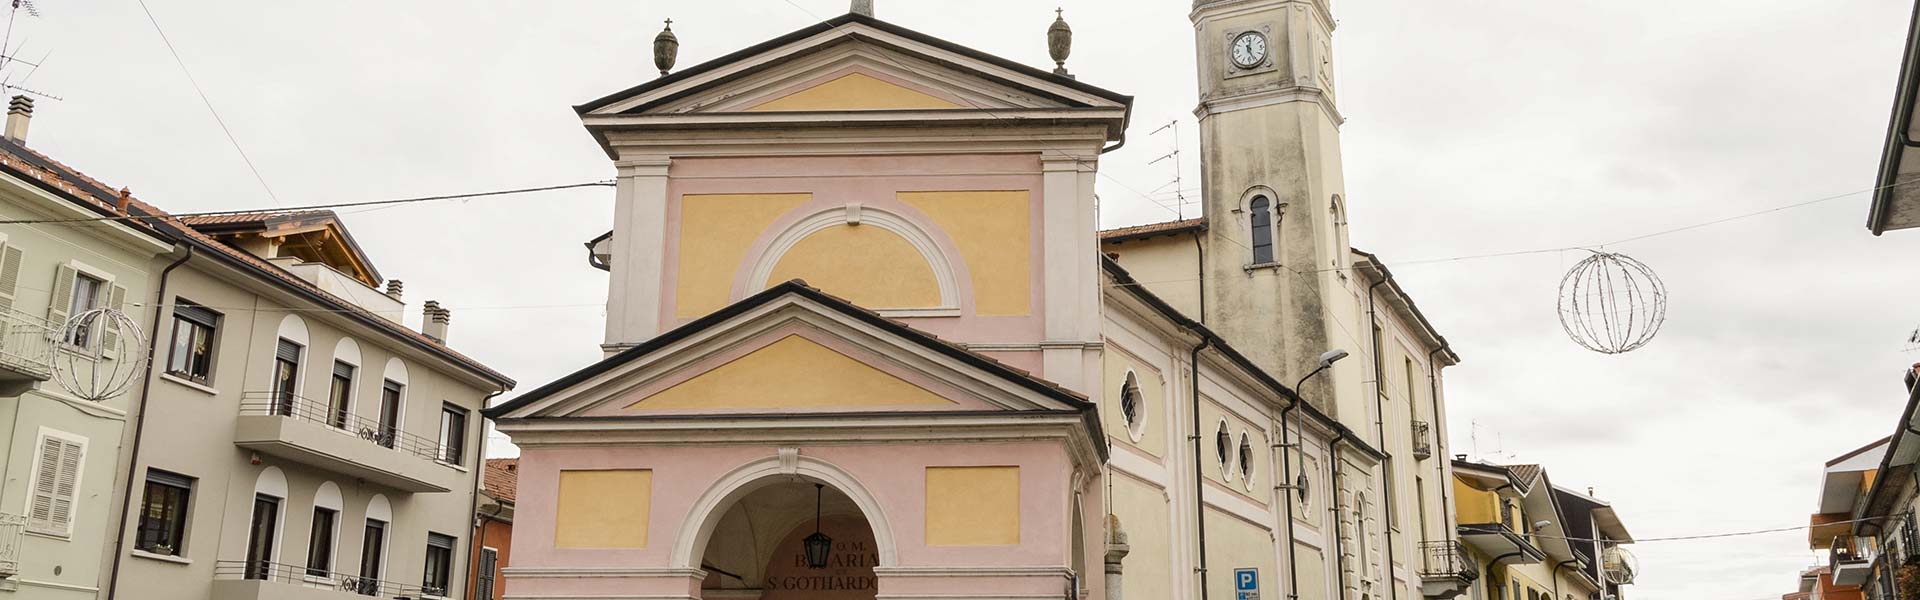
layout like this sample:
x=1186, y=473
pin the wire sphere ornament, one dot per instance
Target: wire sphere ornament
x=1611, y=303
x=1619, y=566
x=101, y=352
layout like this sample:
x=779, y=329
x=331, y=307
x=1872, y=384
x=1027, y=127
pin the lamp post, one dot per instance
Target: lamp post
x=818, y=545
x=1326, y=361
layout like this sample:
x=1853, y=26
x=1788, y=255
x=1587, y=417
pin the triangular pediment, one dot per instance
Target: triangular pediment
x=855, y=63
x=792, y=350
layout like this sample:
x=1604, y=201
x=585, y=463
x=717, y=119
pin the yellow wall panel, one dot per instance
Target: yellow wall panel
x=867, y=265
x=1475, y=506
x=973, y=506
x=603, y=509
x=716, y=230
x=794, y=372
x=992, y=231
x=1114, y=367
x=856, y=91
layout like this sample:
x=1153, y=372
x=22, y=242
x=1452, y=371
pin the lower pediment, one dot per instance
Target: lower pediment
x=795, y=372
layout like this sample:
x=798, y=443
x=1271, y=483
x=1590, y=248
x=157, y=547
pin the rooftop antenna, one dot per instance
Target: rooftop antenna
x=9, y=54
x=1179, y=191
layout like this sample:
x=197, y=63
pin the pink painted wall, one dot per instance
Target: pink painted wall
x=873, y=181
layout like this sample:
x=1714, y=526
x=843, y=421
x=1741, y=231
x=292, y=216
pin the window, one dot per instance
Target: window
x=56, y=480
x=192, y=357
x=339, y=394
x=1130, y=409
x=1262, y=229
x=163, y=513
x=390, y=396
x=86, y=296
x=373, y=553
x=490, y=561
x=439, y=564
x=1223, y=448
x=286, y=376
x=1246, y=458
x=453, y=433
x=1506, y=514
x=262, y=532
x=320, y=542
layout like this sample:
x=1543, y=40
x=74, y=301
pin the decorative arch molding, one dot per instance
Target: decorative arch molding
x=294, y=329
x=946, y=274
x=707, y=511
x=272, y=482
x=1279, y=205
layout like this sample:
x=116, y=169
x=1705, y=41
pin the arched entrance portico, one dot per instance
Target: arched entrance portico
x=748, y=529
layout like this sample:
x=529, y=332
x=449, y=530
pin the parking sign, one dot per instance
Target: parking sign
x=1246, y=584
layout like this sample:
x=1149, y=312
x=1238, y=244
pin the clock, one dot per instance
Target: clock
x=1249, y=50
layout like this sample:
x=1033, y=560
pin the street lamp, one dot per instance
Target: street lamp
x=1326, y=361
x=818, y=545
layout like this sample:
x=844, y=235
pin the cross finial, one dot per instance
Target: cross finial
x=669, y=23
x=862, y=7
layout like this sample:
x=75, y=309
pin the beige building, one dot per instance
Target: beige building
x=290, y=438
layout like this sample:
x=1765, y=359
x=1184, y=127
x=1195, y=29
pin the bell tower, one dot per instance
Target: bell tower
x=1271, y=175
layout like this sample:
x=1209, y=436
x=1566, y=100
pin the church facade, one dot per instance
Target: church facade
x=865, y=339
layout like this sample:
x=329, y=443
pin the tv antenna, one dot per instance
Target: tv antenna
x=1179, y=191
x=10, y=54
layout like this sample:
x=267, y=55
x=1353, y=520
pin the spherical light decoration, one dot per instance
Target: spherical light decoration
x=1612, y=304
x=101, y=352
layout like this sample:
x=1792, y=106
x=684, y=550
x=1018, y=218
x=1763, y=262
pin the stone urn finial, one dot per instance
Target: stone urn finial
x=1060, y=42
x=666, y=49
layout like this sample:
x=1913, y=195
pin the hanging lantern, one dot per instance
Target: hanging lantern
x=1612, y=304
x=818, y=545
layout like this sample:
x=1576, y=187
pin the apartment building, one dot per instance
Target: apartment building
x=1864, y=519
x=289, y=438
x=1528, y=539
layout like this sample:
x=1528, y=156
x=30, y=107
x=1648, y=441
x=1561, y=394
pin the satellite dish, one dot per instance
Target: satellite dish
x=1619, y=565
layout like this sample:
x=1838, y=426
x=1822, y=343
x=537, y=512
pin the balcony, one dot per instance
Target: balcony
x=26, y=347
x=1445, y=569
x=304, y=431
x=1422, y=440
x=1849, y=562
x=241, y=580
x=13, y=532
x=1496, y=539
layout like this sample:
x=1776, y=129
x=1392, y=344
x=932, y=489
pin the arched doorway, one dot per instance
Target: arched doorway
x=757, y=549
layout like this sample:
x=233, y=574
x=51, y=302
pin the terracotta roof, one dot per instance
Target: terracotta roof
x=1137, y=232
x=254, y=218
x=502, y=478
x=80, y=188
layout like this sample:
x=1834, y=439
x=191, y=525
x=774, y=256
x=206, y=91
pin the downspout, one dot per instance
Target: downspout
x=479, y=483
x=140, y=423
x=1380, y=423
x=1199, y=476
x=1433, y=393
x=1556, y=574
x=1286, y=497
x=1200, y=254
x=1496, y=562
x=1339, y=551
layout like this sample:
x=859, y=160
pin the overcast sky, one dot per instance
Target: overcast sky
x=1474, y=127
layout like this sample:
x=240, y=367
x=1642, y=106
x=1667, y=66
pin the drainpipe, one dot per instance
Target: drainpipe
x=1339, y=550
x=1556, y=575
x=140, y=423
x=479, y=483
x=1286, y=497
x=1380, y=423
x=1433, y=393
x=1496, y=562
x=1199, y=474
x=1200, y=252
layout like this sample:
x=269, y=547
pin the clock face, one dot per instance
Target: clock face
x=1249, y=50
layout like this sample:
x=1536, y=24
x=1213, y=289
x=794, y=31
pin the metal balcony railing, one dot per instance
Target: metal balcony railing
x=1422, y=440
x=280, y=404
x=1446, y=558
x=300, y=575
x=13, y=532
x=26, y=344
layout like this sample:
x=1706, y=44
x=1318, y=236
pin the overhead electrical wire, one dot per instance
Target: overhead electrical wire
x=291, y=209
x=209, y=102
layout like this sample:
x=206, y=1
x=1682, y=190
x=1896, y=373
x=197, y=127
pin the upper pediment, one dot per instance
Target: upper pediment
x=854, y=64
x=787, y=351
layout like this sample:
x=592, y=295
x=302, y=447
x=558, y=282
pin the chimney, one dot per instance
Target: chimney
x=435, y=323
x=19, y=111
x=394, y=287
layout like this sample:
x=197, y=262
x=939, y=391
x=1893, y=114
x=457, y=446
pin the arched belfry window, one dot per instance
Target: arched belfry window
x=1260, y=212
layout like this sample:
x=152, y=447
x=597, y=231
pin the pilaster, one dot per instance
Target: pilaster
x=639, y=252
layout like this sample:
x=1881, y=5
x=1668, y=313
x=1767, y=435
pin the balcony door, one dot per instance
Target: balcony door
x=389, y=413
x=260, y=535
x=286, y=376
x=373, y=549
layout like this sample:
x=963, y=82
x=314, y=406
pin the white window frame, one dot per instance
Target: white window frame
x=79, y=478
x=107, y=281
x=1136, y=425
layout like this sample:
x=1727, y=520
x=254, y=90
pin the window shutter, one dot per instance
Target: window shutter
x=287, y=351
x=62, y=295
x=110, y=342
x=10, y=256
x=56, y=482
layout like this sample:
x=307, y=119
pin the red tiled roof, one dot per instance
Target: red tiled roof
x=1152, y=229
x=75, y=186
x=254, y=217
x=502, y=478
